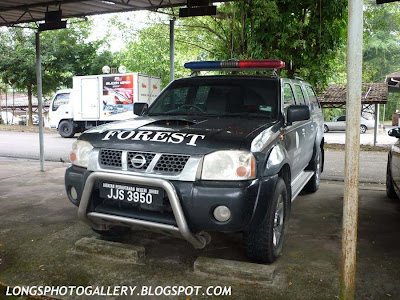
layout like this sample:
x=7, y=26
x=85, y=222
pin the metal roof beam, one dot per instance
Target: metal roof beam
x=40, y=4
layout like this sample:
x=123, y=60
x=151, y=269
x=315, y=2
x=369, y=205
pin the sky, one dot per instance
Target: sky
x=134, y=20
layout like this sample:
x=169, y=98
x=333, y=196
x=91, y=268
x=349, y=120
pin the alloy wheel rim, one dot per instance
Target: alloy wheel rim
x=278, y=222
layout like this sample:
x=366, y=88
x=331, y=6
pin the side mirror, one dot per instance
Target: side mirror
x=394, y=132
x=139, y=108
x=297, y=113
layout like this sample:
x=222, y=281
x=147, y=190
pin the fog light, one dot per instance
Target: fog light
x=74, y=193
x=222, y=213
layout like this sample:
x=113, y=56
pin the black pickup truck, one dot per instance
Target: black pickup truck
x=212, y=153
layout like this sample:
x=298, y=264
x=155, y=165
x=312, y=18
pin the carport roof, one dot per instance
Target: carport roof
x=372, y=93
x=25, y=11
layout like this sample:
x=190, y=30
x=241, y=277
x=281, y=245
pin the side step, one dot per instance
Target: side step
x=299, y=182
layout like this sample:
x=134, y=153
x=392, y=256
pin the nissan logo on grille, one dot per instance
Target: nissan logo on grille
x=138, y=161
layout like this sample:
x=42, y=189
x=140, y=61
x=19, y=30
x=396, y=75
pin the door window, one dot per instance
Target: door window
x=312, y=97
x=341, y=119
x=299, y=95
x=60, y=99
x=288, y=97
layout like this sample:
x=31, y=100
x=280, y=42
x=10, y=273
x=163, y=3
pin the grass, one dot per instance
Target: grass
x=21, y=128
x=341, y=147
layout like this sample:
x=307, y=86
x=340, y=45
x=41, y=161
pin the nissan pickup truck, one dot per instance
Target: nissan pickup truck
x=220, y=153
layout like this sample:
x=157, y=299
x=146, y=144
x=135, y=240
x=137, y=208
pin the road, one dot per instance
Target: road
x=339, y=137
x=26, y=145
x=372, y=166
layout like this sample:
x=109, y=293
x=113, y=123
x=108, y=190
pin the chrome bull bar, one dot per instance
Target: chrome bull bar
x=98, y=220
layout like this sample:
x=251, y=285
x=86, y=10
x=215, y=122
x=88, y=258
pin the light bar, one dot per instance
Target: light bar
x=235, y=64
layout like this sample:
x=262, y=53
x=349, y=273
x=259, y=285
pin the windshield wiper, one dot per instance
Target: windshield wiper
x=246, y=114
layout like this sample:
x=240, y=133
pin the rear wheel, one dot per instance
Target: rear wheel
x=264, y=243
x=313, y=185
x=390, y=191
x=326, y=129
x=66, y=129
x=363, y=129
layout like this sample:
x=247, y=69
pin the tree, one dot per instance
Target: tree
x=64, y=53
x=147, y=50
x=305, y=34
x=381, y=54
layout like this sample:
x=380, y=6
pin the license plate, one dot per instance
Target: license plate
x=141, y=195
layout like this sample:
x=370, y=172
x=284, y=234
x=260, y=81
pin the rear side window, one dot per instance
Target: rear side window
x=341, y=119
x=299, y=95
x=288, y=97
x=60, y=99
x=312, y=97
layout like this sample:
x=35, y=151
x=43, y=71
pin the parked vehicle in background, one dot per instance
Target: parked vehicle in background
x=8, y=118
x=99, y=99
x=339, y=123
x=212, y=153
x=23, y=120
x=393, y=167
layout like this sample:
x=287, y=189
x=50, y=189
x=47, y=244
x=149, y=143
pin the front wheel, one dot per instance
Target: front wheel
x=363, y=129
x=66, y=129
x=264, y=242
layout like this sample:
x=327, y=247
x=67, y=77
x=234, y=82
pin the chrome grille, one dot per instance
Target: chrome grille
x=111, y=158
x=147, y=156
x=171, y=163
x=145, y=162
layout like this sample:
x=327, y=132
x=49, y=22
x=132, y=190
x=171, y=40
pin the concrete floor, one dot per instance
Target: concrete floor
x=39, y=227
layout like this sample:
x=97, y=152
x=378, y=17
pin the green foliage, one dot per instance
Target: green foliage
x=64, y=53
x=147, y=51
x=381, y=54
x=106, y=58
x=392, y=105
x=304, y=34
x=331, y=113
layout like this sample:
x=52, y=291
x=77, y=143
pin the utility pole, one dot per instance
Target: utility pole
x=172, y=49
x=352, y=150
x=39, y=98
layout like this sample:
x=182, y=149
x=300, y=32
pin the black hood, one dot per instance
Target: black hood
x=189, y=135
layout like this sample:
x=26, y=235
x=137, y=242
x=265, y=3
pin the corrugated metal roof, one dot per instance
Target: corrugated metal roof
x=372, y=93
x=18, y=100
x=24, y=11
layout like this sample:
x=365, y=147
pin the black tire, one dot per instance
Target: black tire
x=390, y=191
x=363, y=128
x=326, y=128
x=66, y=129
x=263, y=244
x=115, y=231
x=313, y=185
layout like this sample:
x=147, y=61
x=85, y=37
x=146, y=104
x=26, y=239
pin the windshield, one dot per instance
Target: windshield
x=225, y=96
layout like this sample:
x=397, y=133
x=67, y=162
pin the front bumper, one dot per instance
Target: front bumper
x=192, y=203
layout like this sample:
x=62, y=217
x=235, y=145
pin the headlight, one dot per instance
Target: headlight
x=80, y=153
x=229, y=165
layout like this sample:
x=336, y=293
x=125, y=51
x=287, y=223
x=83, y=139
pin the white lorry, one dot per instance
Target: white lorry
x=99, y=99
